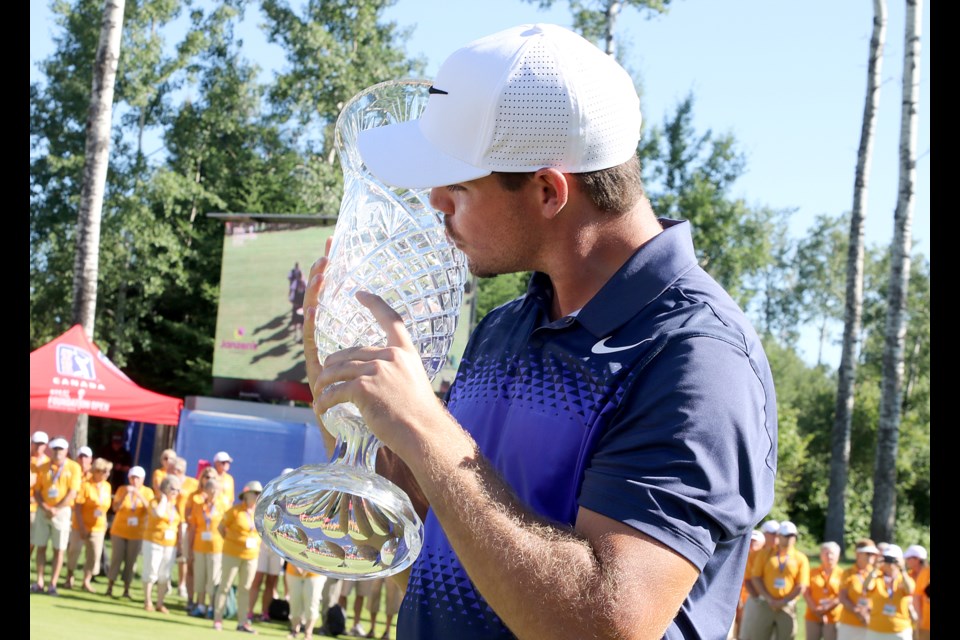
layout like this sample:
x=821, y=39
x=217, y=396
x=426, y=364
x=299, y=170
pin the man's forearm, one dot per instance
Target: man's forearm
x=539, y=578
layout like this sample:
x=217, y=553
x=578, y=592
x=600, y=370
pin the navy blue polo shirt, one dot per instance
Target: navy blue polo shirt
x=653, y=406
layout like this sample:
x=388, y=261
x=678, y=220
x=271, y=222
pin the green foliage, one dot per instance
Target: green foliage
x=688, y=176
x=493, y=292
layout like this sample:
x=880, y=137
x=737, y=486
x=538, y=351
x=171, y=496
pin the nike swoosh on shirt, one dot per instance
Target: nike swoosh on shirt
x=601, y=347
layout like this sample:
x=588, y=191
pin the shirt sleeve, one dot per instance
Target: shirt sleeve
x=687, y=458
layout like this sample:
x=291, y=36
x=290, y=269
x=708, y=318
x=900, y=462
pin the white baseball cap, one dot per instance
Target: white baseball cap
x=137, y=472
x=915, y=551
x=40, y=437
x=757, y=535
x=521, y=99
x=770, y=526
x=893, y=551
x=85, y=451
x=222, y=456
x=787, y=528
x=58, y=443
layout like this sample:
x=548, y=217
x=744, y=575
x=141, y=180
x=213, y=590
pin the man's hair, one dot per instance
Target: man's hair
x=101, y=464
x=180, y=464
x=610, y=190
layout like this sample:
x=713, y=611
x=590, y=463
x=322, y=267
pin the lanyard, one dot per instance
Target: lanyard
x=135, y=498
x=826, y=581
x=209, y=510
x=54, y=478
x=888, y=582
x=782, y=563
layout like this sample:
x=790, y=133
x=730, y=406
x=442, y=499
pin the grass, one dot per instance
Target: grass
x=80, y=615
x=95, y=616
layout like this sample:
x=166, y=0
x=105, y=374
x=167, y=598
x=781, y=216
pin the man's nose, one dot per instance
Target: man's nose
x=441, y=201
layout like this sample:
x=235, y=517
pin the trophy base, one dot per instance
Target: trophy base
x=339, y=520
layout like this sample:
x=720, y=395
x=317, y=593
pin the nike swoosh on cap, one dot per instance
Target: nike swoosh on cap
x=601, y=346
x=433, y=90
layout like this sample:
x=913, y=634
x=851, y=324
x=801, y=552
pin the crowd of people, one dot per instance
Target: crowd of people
x=192, y=537
x=885, y=594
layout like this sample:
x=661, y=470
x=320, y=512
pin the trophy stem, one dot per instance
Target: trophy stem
x=359, y=449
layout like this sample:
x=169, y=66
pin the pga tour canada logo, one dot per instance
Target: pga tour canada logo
x=75, y=362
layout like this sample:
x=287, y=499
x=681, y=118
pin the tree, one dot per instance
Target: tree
x=820, y=275
x=888, y=428
x=840, y=450
x=596, y=20
x=96, y=158
x=688, y=175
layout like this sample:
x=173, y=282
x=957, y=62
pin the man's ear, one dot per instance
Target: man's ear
x=553, y=190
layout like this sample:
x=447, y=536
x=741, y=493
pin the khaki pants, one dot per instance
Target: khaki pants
x=233, y=568
x=123, y=551
x=304, y=597
x=766, y=623
x=206, y=573
x=820, y=631
x=94, y=548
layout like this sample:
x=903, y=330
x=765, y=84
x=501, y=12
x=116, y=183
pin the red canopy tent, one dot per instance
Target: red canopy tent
x=71, y=375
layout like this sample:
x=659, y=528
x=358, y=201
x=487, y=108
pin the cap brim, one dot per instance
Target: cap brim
x=868, y=550
x=400, y=156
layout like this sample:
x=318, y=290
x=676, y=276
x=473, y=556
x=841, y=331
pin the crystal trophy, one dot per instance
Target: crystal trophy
x=341, y=519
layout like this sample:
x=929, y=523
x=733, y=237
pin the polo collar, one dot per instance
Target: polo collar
x=645, y=275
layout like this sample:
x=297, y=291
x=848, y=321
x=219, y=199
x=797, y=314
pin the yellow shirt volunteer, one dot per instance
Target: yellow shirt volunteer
x=162, y=523
x=825, y=586
x=188, y=486
x=56, y=481
x=131, y=512
x=35, y=463
x=93, y=503
x=922, y=581
x=158, y=475
x=758, y=562
x=297, y=572
x=890, y=604
x=227, y=488
x=783, y=570
x=240, y=539
x=205, y=522
x=852, y=583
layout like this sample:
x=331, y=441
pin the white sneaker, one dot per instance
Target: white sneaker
x=357, y=631
x=183, y=591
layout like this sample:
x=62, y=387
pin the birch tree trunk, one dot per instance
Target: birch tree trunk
x=888, y=430
x=612, y=12
x=96, y=159
x=843, y=413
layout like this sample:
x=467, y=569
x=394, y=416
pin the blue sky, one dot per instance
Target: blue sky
x=787, y=79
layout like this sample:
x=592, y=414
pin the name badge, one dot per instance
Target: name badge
x=133, y=522
x=97, y=513
x=779, y=583
x=889, y=610
x=169, y=534
x=206, y=535
x=52, y=492
x=252, y=542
